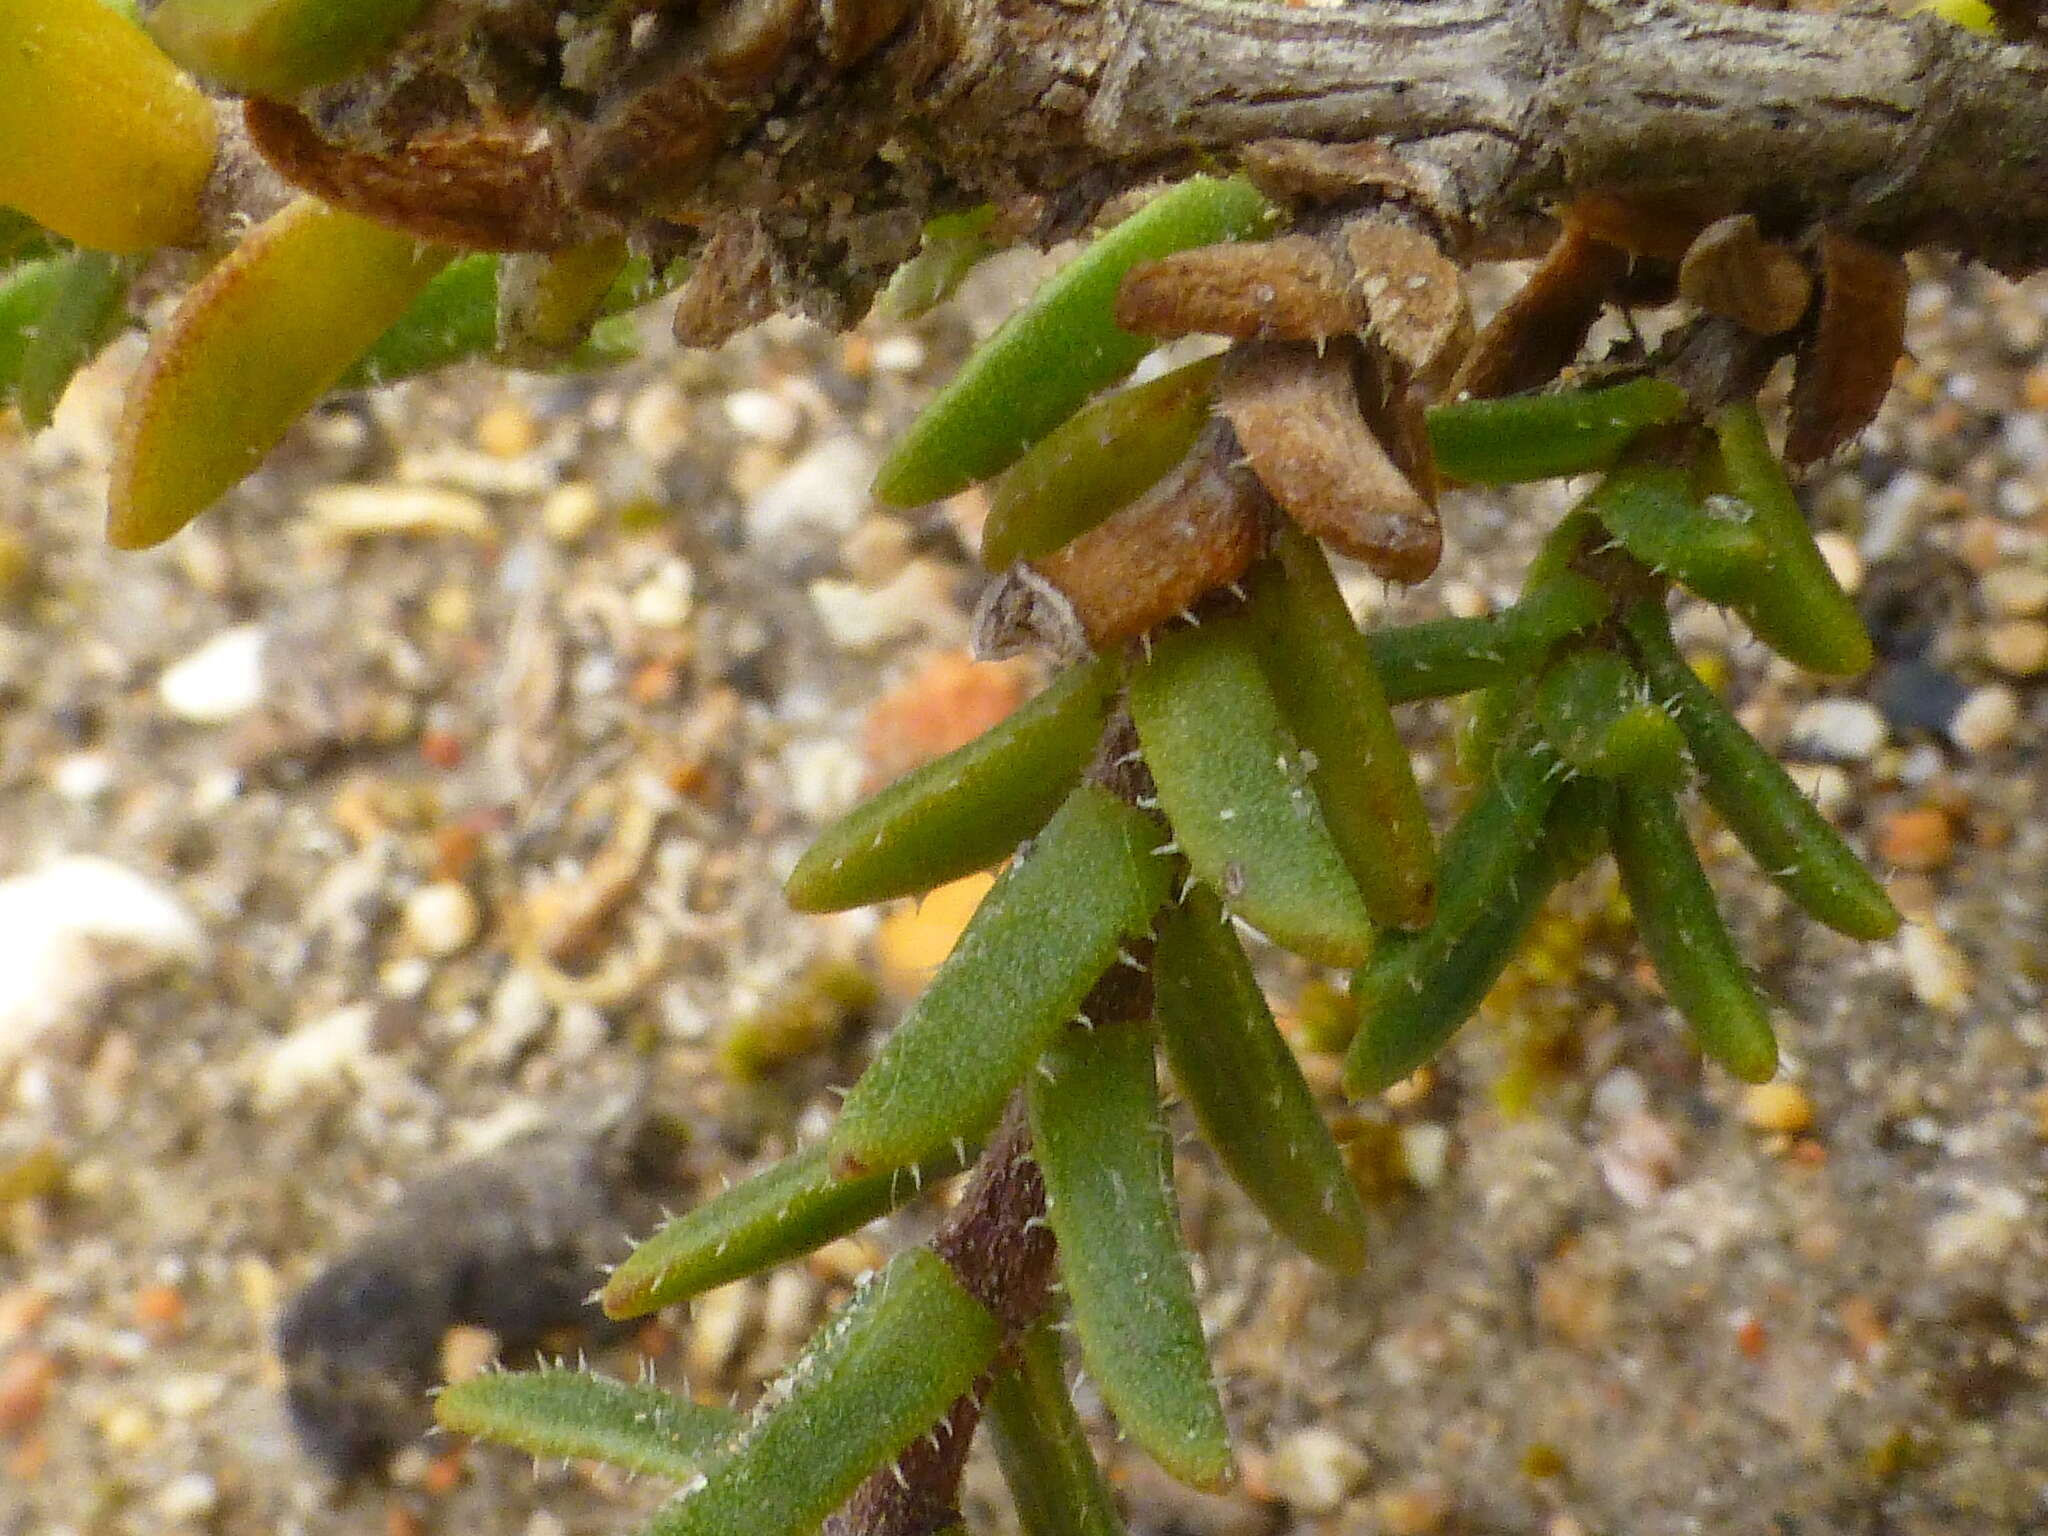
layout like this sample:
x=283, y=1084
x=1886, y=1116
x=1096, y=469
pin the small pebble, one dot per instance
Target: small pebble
x=1917, y=695
x=2016, y=591
x=467, y=1351
x=1986, y=719
x=221, y=680
x=1843, y=559
x=507, y=430
x=1840, y=730
x=719, y=1319
x=824, y=492
x=315, y=1054
x=764, y=416
x=1935, y=968
x=571, y=512
x=160, y=1312
x=1419, y=1508
x=187, y=1498
x=2018, y=647
x=26, y=1379
x=1315, y=1470
x=1919, y=839
x=347, y=512
x=442, y=918
x=667, y=598
x=1781, y=1108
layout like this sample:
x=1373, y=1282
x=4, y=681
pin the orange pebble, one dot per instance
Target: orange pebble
x=441, y=749
x=160, y=1312
x=1919, y=840
x=952, y=701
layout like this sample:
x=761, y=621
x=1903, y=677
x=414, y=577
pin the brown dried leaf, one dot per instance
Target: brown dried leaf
x=1732, y=271
x=1662, y=226
x=1296, y=411
x=1304, y=171
x=1199, y=529
x=732, y=286
x=1396, y=412
x=1541, y=328
x=1415, y=299
x=1844, y=368
x=1290, y=289
x=489, y=188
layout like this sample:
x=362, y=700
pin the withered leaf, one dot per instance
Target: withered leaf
x=1731, y=270
x=1296, y=411
x=1290, y=289
x=1542, y=327
x=492, y=187
x=1199, y=529
x=731, y=287
x=1844, y=368
x=1415, y=299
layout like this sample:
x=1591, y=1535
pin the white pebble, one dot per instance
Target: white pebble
x=1935, y=969
x=219, y=681
x=75, y=928
x=1986, y=719
x=345, y=512
x=764, y=416
x=1842, y=558
x=1841, y=730
x=314, y=1055
x=442, y=918
x=1316, y=1470
x=665, y=600
x=187, y=1498
x=918, y=600
x=824, y=493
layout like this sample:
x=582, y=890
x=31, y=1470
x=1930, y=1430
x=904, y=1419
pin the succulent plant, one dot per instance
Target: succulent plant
x=1219, y=752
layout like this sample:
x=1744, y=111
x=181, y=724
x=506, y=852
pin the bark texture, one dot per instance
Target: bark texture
x=1907, y=132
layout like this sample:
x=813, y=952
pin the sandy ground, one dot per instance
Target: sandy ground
x=437, y=789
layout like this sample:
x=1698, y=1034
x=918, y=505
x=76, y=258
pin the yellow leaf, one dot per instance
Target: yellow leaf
x=249, y=351
x=101, y=139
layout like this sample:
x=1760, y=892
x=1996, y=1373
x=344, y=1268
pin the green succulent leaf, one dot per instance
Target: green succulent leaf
x=1497, y=866
x=1060, y=348
x=21, y=239
x=1056, y=1485
x=1054, y=922
x=1322, y=673
x=1095, y=463
x=1415, y=997
x=1102, y=1147
x=1712, y=546
x=1795, y=606
x=1540, y=437
x=26, y=293
x=1245, y=1088
x=782, y=1212
x=881, y=1373
x=1596, y=711
x=1681, y=927
x=578, y=1414
x=965, y=811
x=953, y=245
x=82, y=315
x=278, y=47
x=1442, y=657
x=1235, y=785
x=1790, y=840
